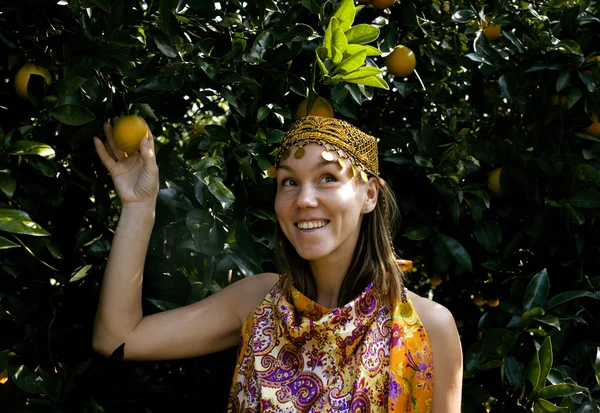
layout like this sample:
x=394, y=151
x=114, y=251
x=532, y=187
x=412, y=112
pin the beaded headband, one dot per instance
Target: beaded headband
x=342, y=142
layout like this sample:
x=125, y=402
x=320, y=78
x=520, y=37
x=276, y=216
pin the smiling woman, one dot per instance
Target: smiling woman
x=335, y=330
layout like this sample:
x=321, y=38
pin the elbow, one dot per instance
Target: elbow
x=107, y=347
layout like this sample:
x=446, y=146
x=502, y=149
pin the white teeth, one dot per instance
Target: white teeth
x=312, y=224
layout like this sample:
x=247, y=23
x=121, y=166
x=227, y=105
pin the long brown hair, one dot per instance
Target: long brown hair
x=374, y=258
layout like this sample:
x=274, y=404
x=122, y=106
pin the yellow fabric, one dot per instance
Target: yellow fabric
x=299, y=356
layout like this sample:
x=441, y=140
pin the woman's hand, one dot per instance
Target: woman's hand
x=136, y=176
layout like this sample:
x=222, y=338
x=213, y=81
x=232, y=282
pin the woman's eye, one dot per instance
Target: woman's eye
x=328, y=178
x=288, y=182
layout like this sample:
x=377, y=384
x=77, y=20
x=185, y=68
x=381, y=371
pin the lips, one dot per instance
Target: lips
x=308, y=225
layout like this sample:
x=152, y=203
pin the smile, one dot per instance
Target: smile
x=308, y=225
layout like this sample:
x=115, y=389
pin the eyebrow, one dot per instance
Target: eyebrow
x=318, y=166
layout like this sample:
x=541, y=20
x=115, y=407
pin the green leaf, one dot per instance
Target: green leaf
x=457, y=251
x=162, y=41
x=514, y=371
x=345, y=13
x=247, y=246
x=73, y=115
x=545, y=359
x=560, y=390
x=220, y=191
x=418, y=234
x=6, y=244
x=533, y=372
x=8, y=183
x=489, y=235
x=351, y=63
x=263, y=42
x=572, y=98
x=339, y=43
x=31, y=148
x=328, y=37
x=567, y=296
x=355, y=48
x=362, y=34
x=569, y=47
x=563, y=80
x=548, y=319
x=463, y=16
x=262, y=113
x=375, y=81
x=103, y=4
x=80, y=273
x=25, y=378
x=497, y=342
x=597, y=365
x=321, y=53
x=537, y=291
x=544, y=406
x=588, y=198
x=360, y=73
x=207, y=234
x=19, y=222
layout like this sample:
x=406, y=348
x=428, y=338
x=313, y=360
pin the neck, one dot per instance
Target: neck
x=329, y=273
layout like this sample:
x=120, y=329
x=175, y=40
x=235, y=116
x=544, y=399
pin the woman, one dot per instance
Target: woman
x=336, y=331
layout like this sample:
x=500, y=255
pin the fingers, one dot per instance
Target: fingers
x=106, y=159
x=119, y=155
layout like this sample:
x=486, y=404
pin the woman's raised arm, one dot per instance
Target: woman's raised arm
x=210, y=325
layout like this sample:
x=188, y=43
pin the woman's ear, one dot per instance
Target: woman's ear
x=372, y=194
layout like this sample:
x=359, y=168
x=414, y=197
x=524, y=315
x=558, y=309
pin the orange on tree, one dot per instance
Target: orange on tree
x=128, y=132
x=493, y=302
x=3, y=376
x=321, y=107
x=436, y=279
x=494, y=181
x=401, y=62
x=25, y=72
x=382, y=4
x=594, y=128
x=479, y=300
x=491, y=31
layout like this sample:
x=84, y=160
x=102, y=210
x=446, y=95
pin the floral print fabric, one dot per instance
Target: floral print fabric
x=298, y=356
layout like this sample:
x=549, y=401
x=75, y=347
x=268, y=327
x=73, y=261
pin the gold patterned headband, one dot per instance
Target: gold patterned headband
x=342, y=142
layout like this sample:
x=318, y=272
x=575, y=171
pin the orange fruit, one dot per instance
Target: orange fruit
x=401, y=62
x=321, y=107
x=594, y=128
x=382, y=4
x=493, y=302
x=3, y=376
x=479, y=300
x=491, y=31
x=494, y=181
x=128, y=132
x=23, y=75
x=436, y=279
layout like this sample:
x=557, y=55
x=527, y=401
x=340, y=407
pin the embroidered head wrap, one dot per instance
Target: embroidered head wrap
x=342, y=142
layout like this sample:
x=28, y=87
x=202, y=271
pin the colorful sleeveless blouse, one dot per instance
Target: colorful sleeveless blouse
x=299, y=356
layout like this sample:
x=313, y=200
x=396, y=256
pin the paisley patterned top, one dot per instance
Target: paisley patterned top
x=299, y=356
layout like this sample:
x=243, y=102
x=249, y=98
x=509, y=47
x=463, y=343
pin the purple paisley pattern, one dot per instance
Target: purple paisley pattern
x=298, y=356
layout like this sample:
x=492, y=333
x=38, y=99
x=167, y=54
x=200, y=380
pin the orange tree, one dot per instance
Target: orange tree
x=513, y=255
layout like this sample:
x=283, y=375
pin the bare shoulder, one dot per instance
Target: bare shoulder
x=250, y=291
x=433, y=315
x=447, y=353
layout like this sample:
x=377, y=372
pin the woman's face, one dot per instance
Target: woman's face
x=320, y=206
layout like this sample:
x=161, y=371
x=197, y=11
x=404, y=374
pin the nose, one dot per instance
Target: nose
x=307, y=197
